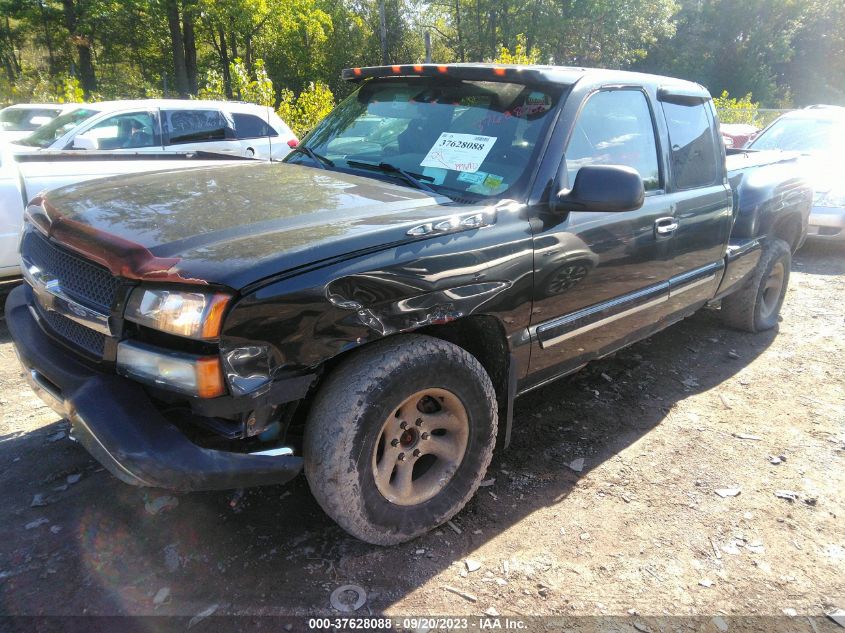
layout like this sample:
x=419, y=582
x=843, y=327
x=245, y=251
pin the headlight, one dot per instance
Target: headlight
x=196, y=315
x=832, y=198
x=192, y=375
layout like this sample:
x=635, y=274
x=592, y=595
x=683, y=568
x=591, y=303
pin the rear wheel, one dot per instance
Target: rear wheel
x=757, y=305
x=399, y=437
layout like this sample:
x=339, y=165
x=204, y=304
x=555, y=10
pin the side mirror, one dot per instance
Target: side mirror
x=84, y=142
x=603, y=188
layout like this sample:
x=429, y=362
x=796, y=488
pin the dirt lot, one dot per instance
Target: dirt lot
x=661, y=427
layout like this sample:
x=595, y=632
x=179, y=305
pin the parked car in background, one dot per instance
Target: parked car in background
x=164, y=125
x=11, y=216
x=23, y=119
x=819, y=133
x=736, y=135
x=23, y=176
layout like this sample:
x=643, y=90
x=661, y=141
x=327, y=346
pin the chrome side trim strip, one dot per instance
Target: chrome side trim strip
x=51, y=296
x=650, y=297
x=610, y=319
x=675, y=291
x=275, y=452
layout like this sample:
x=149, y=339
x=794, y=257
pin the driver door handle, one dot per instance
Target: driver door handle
x=665, y=226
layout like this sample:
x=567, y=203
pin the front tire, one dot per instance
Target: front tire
x=757, y=305
x=399, y=437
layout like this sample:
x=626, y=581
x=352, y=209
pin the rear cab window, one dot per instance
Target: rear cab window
x=695, y=156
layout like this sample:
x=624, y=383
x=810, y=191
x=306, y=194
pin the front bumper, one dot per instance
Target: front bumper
x=115, y=420
x=827, y=224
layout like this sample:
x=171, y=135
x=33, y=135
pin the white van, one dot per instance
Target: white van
x=156, y=125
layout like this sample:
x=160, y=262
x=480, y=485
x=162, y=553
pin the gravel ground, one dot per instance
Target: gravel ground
x=607, y=502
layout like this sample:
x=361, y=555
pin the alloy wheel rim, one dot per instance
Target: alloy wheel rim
x=772, y=290
x=420, y=447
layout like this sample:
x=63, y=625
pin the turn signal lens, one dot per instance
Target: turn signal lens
x=198, y=376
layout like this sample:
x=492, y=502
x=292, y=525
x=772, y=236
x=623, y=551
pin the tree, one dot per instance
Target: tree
x=77, y=14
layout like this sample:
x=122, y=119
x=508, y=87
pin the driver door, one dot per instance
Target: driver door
x=601, y=278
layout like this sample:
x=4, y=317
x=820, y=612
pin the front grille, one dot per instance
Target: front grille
x=79, y=335
x=88, y=283
x=84, y=282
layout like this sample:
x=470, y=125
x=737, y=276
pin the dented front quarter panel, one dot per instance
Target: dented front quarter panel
x=429, y=280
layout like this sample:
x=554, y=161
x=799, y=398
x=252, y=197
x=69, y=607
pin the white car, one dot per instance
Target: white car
x=163, y=125
x=23, y=119
x=23, y=176
x=11, y=215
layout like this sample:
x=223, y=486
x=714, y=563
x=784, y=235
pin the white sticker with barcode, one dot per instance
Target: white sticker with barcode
x=459, y=152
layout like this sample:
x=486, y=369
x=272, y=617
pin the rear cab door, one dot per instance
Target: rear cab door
x=700, y=196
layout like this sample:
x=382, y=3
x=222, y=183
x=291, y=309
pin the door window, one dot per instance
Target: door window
x=615, y=127
x=197, y=126
x=695, y=156
x=251, y=126
x=130, y=130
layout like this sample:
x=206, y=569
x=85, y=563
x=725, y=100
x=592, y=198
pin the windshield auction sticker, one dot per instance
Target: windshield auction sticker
x=459, y=152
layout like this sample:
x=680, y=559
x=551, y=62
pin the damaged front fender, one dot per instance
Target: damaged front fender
x=312, y=317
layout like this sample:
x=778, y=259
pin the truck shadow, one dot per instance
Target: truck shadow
x=272, y=550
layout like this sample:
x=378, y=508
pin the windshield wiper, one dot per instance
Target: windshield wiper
x=322, y=161
x=415, y=180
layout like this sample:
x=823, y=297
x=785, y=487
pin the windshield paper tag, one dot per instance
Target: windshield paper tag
x=459, y=152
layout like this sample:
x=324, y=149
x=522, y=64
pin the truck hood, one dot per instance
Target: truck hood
x=231, y=225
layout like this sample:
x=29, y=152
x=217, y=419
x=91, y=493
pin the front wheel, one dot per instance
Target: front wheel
x=757, y=305
x=399, y=437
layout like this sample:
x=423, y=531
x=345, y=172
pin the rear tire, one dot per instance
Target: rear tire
x=756, y=306
x=399, y=437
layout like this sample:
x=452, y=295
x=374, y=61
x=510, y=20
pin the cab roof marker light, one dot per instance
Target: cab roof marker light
x=397, y=69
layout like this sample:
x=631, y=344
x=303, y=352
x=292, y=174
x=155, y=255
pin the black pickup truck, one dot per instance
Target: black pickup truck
x=448, y=238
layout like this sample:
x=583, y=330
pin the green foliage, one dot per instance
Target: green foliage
x=41, y=88
x=70, y=90
x=784, y=52
x=732, y=110
x=304, y=111
x=521, y=54
x=212, y=88
x=258, y=90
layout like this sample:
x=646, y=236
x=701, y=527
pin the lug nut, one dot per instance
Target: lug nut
x=424, y=436
x=416, y=452
x=403, y=425
x=401, y=457
x=394, y=442
x=419, y=421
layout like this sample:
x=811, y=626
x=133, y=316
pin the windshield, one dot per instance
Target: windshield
x=803, y=135
x=25, y=119
x=465, y=139
x=58, y=127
